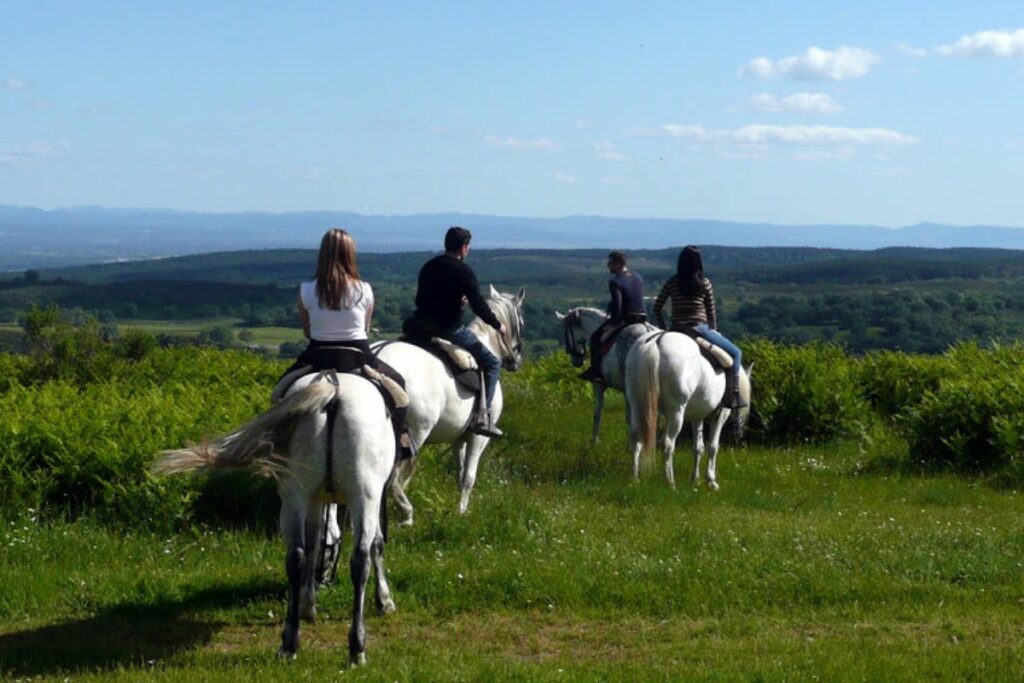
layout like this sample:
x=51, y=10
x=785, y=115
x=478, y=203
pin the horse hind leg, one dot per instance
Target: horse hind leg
x=307, y=594
x=364, y=531
x=673, y=425
x=292, y=528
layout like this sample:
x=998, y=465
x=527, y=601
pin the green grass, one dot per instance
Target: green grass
x=807, y=565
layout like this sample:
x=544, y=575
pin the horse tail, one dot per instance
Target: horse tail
x=648, y=373
x=255, y=443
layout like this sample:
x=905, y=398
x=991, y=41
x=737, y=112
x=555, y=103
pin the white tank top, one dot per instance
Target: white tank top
x=342, y=325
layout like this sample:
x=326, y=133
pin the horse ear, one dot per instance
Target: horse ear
x=750, y=371
x=494, y=292
x=520, y=296
x=559, y=315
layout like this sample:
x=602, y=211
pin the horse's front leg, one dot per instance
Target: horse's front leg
x=293, y=521
x=598, y=408
x=716, y=433
x=403, y=473
x=472, y=448
x=385, y=604
x=698, y=448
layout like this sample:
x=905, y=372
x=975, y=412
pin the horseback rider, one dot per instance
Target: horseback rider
x=693, y=310
x=625, y=308
x=335, y=309
x=446, y=284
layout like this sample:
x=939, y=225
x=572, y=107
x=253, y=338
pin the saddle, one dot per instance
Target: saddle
x=349, y=361
x=458, y=360
x=716, y=355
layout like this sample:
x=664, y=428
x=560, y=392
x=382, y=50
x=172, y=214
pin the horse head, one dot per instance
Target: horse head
x=509, y=310
x=574, y=337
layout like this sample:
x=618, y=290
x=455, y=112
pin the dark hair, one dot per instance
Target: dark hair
x=690, y=270
x=456, y=238
x=617, y=257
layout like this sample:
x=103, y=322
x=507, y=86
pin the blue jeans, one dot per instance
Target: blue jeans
x=487, y=361
x=716, y=338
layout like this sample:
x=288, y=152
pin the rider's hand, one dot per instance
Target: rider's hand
x=465, y=300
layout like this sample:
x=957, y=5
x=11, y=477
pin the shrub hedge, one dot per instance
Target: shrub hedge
x=68, y=444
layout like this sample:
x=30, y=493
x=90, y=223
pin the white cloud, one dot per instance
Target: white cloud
x=15, y=84
x=816, y=102
x=841, y=154
x=821, y=134
x=987, y=44
x=911, y=51
x=519, y=143
x=759, y=134
x=607, y=151
x=566, y=178
x=34, y=153
x=815, y=64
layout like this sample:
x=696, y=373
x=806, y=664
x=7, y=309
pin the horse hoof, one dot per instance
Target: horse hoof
x=387, y=608
x=286, y=655
x=406, y=522
x=308, y=614
x=713, y=485
x=357, y=659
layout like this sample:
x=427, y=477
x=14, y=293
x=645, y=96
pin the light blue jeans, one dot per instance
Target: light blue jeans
x=487, y=361
x=716, y=338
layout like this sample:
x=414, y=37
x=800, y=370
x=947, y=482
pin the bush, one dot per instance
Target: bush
x=804, y=393
x=894, y=381
x=973, y=420
x=66, y=448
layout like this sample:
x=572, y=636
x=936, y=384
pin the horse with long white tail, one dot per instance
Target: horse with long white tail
x=443, y=410
x=578, y=327
x=329, y=440
x=667, y=375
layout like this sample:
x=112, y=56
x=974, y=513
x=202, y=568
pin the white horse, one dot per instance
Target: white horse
x=578, y=324
x=324, y=443
x=440, y=409
x=666, y=375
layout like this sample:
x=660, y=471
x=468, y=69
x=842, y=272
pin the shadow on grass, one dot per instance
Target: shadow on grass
x=130, y=635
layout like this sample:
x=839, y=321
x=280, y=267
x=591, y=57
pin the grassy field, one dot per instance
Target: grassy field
x=809, y=564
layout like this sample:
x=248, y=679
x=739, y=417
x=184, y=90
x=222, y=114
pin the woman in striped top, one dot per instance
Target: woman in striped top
x=693, y=310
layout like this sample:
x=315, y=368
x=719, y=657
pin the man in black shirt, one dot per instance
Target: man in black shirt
x=446, y=285
x=625, y=308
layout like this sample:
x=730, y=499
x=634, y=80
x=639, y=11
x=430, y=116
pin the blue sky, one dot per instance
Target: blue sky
x=786, y=112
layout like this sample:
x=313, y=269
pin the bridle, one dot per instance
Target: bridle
x=577, y=349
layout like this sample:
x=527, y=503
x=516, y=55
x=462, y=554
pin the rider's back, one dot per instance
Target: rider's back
x=443, y=281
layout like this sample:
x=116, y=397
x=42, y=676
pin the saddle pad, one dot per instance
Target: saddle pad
x=715, y=354
x=462, y=358
x=381, y=381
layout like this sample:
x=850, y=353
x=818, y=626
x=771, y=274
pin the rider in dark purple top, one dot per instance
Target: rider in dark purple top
x=625, y=308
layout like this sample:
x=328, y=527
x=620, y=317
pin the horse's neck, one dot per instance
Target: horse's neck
x=591, y=320
x=486, y=334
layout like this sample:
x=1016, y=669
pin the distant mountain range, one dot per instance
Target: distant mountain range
x=36, y=238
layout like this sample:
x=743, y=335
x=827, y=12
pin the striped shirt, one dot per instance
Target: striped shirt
x=687, y=310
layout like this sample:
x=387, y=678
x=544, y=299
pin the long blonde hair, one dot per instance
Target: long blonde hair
x=336, y=271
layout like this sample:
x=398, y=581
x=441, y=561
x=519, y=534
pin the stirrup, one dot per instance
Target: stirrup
x=487, y=428
x=592, y=374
